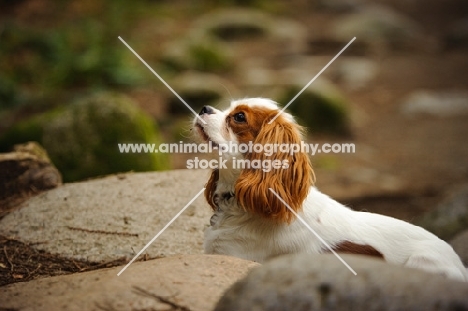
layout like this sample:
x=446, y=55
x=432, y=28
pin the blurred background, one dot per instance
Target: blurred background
x=399, y=92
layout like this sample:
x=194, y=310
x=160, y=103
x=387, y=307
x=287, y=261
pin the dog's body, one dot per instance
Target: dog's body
x=236, y=233
x=250, y=222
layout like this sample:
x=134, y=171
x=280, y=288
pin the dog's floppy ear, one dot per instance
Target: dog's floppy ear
x=291, y=182
x=210, y=188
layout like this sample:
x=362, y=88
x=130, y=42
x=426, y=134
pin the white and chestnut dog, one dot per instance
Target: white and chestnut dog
x=250, y=221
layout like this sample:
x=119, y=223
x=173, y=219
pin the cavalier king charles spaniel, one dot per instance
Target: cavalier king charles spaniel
x=252, y=222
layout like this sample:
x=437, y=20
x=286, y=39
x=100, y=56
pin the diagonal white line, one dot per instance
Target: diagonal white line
x=313, y=231
x=160, y=232
x=161, y=79
x=313, y=79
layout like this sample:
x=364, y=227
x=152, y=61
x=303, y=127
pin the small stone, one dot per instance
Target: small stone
x=436, y=103
x=356, y=72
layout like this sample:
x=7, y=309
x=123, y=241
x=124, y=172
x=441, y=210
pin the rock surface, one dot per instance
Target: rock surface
x=450, y=217
x=24, y=172
x=322, y=282
x=193, y=282
x=115, y=217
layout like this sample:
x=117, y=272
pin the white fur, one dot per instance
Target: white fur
x=245, y=235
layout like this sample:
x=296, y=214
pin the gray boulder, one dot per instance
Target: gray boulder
x=322, y=282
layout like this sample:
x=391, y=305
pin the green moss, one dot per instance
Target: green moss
x=201, y=55
x=320, y=112
x=82, y=139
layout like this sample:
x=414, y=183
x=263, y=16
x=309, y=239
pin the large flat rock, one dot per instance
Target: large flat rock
x=194, y=282
x=115, y=217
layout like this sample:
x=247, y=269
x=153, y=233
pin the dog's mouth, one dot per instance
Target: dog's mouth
x=205, y=136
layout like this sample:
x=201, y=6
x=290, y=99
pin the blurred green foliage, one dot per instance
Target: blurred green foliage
x=41, y=64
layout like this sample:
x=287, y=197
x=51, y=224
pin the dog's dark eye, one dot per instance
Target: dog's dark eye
x=239, y=117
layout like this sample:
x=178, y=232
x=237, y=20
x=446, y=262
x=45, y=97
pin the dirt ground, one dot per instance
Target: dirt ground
x=429, y=155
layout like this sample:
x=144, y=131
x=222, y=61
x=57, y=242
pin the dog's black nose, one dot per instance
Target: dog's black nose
x=206, y=110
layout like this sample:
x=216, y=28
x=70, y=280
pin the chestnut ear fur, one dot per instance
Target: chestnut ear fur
x=210, y=188
x=292, y=184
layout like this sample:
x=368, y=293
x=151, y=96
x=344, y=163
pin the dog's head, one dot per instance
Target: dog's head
x=244, y=132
